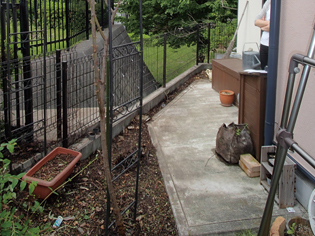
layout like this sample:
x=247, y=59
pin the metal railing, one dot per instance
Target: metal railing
x=55, y=24
x=50, y=101
x=166, y=58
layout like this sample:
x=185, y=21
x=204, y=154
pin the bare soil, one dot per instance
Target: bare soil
x=53, y=167
x=82, y=201
x=301, y=230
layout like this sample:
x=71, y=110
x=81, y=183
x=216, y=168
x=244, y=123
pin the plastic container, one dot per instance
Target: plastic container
x=58, y=222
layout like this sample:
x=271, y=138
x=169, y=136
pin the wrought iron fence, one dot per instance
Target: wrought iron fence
x=53, y=107
x=48, y=95
x=55, y=24
x=166, y=57
x=49, y=100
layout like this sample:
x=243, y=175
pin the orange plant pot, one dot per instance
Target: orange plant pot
x=226, y=97
x=44, y=188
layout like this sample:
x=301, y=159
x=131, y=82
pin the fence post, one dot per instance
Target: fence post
x=58, y=87
x=25, y=48
x=102, y=15
x=197, y=51
x=86, y=20
x=4, y=71
x=208, y=53
x=67, y=26
x=15, y=65
x=2, y=24
x=64, y=105
x=164, y=61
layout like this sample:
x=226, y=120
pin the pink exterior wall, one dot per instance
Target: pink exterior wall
x=296, y=30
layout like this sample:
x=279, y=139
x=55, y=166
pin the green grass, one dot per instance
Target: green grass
x=178, y=60
x=37, y=38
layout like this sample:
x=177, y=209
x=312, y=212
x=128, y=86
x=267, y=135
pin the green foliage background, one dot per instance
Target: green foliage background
x=161, y=16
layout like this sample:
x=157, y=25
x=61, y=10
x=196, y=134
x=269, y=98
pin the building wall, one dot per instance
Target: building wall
x=248, y=32
x=296, y=30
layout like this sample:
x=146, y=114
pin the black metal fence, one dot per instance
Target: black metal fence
x=49, y=109
x=168, y=55
x=55, y=24
x=48, y=100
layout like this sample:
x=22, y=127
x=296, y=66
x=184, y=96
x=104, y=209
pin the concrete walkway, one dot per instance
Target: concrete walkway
x=207, y=196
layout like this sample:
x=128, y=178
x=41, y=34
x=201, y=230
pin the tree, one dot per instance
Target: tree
x=100, y=83
x=182, y=16
x=160, y=16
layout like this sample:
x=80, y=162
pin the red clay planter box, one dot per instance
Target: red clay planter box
x=43, y=188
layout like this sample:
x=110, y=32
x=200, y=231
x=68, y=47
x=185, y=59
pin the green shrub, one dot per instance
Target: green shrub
x=12, y=221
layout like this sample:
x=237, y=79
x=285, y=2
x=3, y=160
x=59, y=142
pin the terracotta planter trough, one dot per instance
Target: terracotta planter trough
x=43, y=188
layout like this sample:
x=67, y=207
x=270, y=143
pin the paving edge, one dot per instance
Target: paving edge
x=87, y=146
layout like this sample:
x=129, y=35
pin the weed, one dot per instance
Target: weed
x=291, y=230
x=246, y=232
x=10, y=222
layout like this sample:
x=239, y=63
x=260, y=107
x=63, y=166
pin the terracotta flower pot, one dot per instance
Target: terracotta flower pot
x=301, y=224
x=43, y=188
x=226, y=97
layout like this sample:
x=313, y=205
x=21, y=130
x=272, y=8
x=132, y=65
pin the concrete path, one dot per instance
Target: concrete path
x=207, y=196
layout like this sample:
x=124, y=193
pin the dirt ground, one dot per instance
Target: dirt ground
x=82, y=201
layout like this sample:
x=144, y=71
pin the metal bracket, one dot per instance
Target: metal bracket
x=285, y=138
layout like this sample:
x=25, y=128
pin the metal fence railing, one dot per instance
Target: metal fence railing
x=49, y=100
x=55, y=24
x=170, y=54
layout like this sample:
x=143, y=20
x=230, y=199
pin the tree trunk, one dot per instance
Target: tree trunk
x=100, y=94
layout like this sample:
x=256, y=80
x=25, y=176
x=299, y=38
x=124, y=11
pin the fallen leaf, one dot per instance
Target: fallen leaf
x=98, y=209
x=84, y=188
x=83, y=203
x=83, y=224
x=100, y=222
x=80, y=230
x=92, y=215
x=139, y=218
x=69, y=218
